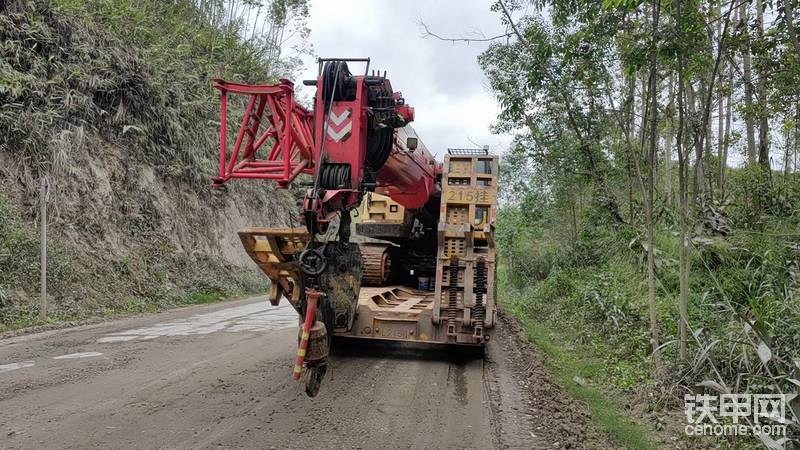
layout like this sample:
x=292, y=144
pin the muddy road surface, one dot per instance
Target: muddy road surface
x=218, y=376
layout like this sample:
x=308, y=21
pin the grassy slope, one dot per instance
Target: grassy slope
x=132, y=77
x=121, y=288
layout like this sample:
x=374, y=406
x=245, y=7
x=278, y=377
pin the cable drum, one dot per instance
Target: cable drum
x=338, y=85
x=336, y=81
x=335, y=176
x=379, y=145
x=379, y=129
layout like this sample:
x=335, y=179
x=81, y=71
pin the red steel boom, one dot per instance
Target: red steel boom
x=289, y=130
x=353, y=142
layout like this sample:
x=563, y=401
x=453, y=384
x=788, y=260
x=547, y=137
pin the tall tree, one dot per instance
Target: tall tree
x=763, y=113
x=726, y=139
x=720, y=93
x=651, y=163
x=683, y=195
x=747, y=79
x=670, y=138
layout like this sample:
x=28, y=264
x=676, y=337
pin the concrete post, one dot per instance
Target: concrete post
x=43, y=198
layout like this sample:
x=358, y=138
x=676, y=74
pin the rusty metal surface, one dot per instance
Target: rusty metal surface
x=383, y=230
x=317, y=350
x=465, y=295
x=399, y=313
x=341, y=283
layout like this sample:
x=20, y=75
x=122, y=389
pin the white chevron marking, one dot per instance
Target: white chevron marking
x=337, y=120
x=338, y=135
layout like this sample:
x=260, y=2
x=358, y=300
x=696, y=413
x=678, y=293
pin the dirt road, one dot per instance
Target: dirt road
x=218, y=376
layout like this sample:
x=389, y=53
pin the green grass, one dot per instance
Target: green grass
x=202, y=298
x=566, y=361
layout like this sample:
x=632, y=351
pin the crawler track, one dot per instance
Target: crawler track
x=377, y=264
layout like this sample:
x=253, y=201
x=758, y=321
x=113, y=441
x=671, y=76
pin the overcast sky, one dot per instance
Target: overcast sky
x=442, y=81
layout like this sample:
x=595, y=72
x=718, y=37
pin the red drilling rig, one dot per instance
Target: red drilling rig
x=362, y=155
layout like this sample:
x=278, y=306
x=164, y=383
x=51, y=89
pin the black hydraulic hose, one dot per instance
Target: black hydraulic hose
x=318, y=162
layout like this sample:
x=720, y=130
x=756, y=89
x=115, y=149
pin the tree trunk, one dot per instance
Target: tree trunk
x=787, y=145
x=763, y=113
x=651, y=162
x=723, y=160
x=631, y=209
x=748, y=88
x=669, y=140
x=255, y=23
x=698, y=133
x=720, y=113
x=683, y=301
x=572, y=202
x=707, y=154
x=789, y=17
x=643, y=129
x=796, y=136
x=627, y=124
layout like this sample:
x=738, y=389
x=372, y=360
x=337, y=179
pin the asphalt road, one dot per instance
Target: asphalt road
x=218, y=376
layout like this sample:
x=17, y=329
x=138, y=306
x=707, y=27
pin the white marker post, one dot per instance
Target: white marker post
x=44, y=192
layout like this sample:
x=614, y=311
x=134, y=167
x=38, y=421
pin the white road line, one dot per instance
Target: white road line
x=78, y=355
x=253, y=317
x=15, y=366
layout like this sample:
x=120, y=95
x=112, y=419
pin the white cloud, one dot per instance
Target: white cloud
x=441, y=80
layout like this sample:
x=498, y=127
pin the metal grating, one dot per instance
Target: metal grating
x=469, y=151
x=454, y=247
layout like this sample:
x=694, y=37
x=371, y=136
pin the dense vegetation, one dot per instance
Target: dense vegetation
x=651, y=200
x=111, y=100
x=136, y=72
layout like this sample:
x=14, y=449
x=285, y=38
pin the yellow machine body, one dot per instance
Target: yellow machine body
x=459, y=304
